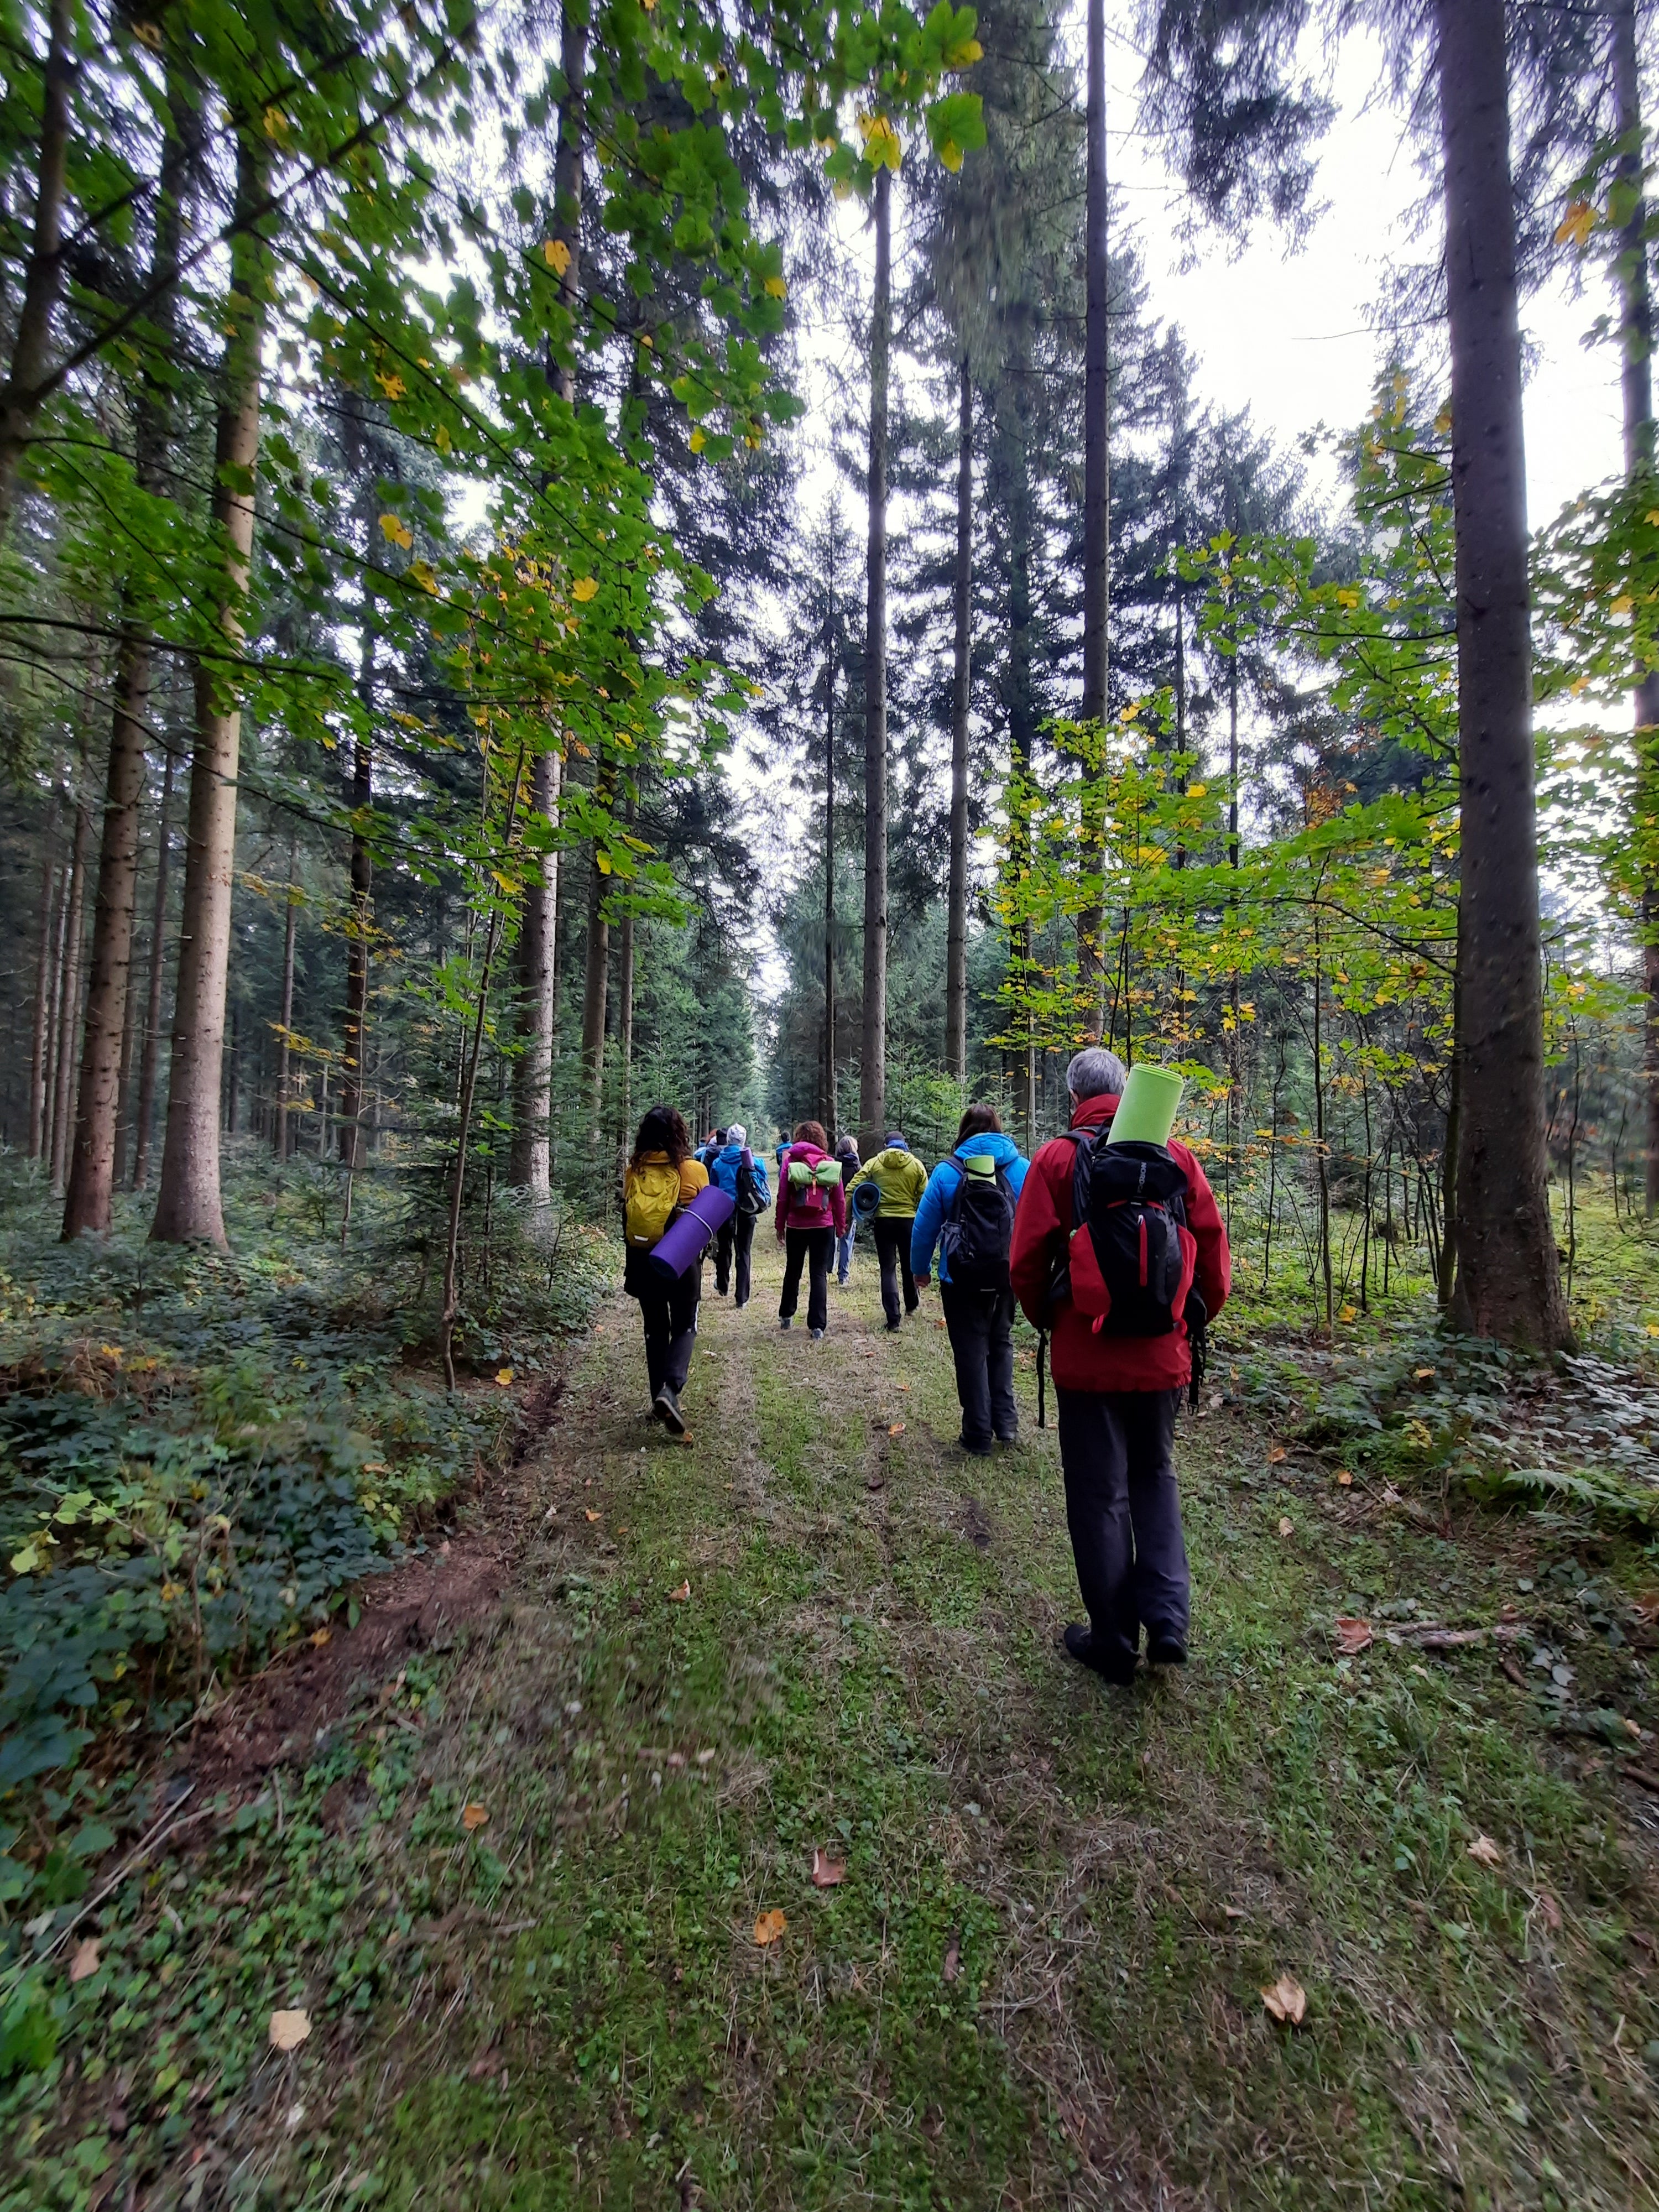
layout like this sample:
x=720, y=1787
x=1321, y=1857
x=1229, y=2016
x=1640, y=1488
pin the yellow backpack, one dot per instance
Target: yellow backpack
x=653, y=1193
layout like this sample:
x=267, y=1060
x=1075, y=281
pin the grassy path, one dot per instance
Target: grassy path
x=1039, y=1981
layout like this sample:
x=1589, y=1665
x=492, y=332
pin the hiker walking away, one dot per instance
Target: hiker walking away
x=847, y=1152
x=662, y=1177
x=1115, y=1296
x=737, y=1171
x=812, y=1213
x=711, y=1144
x=968, y=1210
x=901, y=1178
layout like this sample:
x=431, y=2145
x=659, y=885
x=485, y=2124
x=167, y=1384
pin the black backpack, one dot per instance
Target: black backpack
x=978, y=1231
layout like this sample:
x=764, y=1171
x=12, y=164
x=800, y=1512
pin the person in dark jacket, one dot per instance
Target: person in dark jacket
x=847, y=1152
x=981, y=1321
x=1117, y=1396
x=743, y=1177
x=812, y=1213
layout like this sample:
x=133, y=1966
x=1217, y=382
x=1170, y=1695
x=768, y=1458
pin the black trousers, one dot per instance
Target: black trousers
x=893, y=1250
x=734, y=1239
x=981, y=1326
x=669, y=1311
x=813, y=1248
x=1117, y=1449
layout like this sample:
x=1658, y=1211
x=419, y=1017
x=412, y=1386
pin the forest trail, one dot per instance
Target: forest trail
x=519, y=1892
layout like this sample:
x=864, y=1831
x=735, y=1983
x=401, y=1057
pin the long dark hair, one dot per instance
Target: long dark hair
x=663, y=1130
x=978, y=1120
x=811, y=1133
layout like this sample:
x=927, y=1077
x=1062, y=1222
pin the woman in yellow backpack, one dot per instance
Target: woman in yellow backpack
x=662, y=1177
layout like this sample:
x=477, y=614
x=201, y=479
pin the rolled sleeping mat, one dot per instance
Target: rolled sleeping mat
x=866, y=1200
x=1146, y=1113
x=685, y=1241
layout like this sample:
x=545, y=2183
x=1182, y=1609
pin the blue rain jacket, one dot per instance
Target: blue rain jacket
x=940, y=1194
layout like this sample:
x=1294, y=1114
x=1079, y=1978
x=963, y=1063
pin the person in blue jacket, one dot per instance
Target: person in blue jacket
x=738, y=1173
x=968, y=1210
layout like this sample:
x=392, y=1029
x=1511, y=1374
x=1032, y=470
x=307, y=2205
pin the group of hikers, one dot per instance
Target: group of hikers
x=1115, y=1252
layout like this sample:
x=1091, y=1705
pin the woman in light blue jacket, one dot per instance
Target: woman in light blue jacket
x=968, y=1210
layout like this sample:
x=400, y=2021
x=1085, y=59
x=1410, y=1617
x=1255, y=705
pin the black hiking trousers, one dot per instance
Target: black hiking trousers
x=893, y=1250
x=812, y=1248
x=669, y=1311
x=1117, y=1452
x=981, y=1326
x=734, y=1240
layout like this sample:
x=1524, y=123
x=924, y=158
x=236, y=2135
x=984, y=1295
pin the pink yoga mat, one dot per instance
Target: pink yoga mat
x=685, y=1241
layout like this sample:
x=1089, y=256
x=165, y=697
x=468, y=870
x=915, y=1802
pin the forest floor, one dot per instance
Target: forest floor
x=513, y=1842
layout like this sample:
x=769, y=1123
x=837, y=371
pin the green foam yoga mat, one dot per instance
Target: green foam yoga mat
x=1146, y=1114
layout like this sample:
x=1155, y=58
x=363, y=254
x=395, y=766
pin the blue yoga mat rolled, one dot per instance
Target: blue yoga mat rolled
x=685, y=1241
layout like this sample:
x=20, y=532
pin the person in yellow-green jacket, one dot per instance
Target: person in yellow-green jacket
x=901, y=1178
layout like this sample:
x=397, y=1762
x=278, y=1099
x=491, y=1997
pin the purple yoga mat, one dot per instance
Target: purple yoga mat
x=685, y=1241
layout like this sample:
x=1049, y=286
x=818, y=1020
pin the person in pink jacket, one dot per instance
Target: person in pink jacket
x=812, y=1213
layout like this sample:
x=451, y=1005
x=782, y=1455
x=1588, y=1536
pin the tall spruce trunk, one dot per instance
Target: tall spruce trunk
x=91, y=1172
x=596, y=977
x=529, y=1165
x=354, y=1056
x=290, y=925
x=828, y=1111
x=188, y=1209
x=956, y=925
x=873, y=1068
x=1096, y=512
x=1509, y=1283
x=150, y=1045
x=40, y=1039
x=95, y=1169
x=43, y=280
x=1636, y=377
x=68, y=998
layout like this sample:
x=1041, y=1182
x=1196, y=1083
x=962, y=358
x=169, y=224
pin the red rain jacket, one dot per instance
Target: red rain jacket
x=792, y=1213
x=1079, y=1359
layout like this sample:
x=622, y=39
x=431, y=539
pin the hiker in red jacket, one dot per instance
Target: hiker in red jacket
x=1118, y=1398
x=812, y=1213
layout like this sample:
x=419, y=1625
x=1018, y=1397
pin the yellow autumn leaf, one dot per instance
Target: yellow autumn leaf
x=557, y=254
x=424, y=573
x=698, y=441
x=1577, y=224
x=503, y=1376
x=391, y=383
x=768, y=1927
x=882, y=149
x=584, y=588
x=776, y=289
x=395, y=531
x=963, y=54
x=950, y=154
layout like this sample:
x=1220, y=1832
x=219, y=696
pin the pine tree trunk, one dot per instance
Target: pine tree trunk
x=1097, y=510
x=354, y=1042
x=1508, y=1281
x=530, y=1163
x=1636, y=333
x=595, y=978
x=828, y=1111
x=124, y=1080
x=872, y=1070
x=291, y=921
x=625, y=1027
x=68, y=1004
x=40, y=1039
x=43, y=282
x=144, y=1118
x=187, y=1206
x=956, y=925
x=92, y=1174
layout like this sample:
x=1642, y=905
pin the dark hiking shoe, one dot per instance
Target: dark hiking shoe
x=1080, y=1644
x=1165, y=1651
x=973, y=1451
x=667, y=1410
x=895, y=1324
x=817, y=1336
x=785, y=1323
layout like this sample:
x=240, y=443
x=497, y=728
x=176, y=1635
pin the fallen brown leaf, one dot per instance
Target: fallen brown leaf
x=1275, y=1455
x=1352, y=1634
x=474, y=1816
x=591, y=1514
x=503, y=1376
x=769, y=1927
x=952, y=1957
x=1513, y=1669
x=289, y=2030
x=320, y=1637
x=1286, y=1526
x=1234, y=1912
x=1485, y=1852
x=895, y=1428
x=1344, y=1478
x=1422, y=1374
x=85, y=1959
x=826, y=1872
x=1549, y=1912
x=679, y=1596
x=1286, y=2000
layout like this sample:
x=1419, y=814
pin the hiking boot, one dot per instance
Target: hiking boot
x=666, y=1408
x=893, y=1325
x=817, y=1336
x=1080, y=1643
x=1165, y=1651
x=785, y=1323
